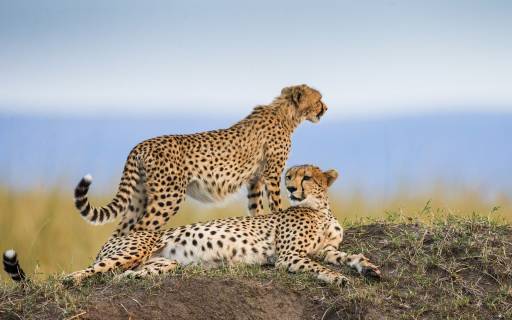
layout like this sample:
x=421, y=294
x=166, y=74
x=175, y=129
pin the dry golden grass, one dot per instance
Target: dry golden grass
x=50, y=237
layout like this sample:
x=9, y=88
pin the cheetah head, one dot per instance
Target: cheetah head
x=307, y=185
x=305, y=101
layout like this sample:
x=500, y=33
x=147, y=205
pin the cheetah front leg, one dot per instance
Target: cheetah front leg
x=152, y=267
x=272, y=175
x=297, y=263
x=357, y=261
x=255, y=191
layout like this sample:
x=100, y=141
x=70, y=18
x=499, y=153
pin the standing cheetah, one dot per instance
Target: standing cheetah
x=290, y=239
x=207, y=166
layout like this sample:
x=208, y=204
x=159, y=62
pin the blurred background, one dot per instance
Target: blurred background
x=419, y=96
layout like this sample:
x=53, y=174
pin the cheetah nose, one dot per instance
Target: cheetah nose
x=291, y=189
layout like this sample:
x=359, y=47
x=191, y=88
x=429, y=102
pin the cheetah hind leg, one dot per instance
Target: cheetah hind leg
x=162, y=203
x=77, y=277
x=152, y=267
x=102, y=266
x=136, y=209
x=116, y=259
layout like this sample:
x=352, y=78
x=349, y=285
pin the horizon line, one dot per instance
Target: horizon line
x=231, y=115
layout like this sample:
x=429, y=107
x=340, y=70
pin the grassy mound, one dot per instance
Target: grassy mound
x=454, y=268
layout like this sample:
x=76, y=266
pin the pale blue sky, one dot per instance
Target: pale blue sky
x=166, y=57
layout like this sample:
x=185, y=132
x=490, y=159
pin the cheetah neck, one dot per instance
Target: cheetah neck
x=317, y=203
x=280, y=108
x=289, y=120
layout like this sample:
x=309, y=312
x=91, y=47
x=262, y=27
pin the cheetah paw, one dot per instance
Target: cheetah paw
x=128, y=274
x=72, y=279
x=341, y=281
x=363, y=265
x=370, y=270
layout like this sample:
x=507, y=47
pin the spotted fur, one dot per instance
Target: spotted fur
x=207, y=166
x=294, y=239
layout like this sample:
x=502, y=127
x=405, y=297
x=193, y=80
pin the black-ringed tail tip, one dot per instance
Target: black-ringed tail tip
x=12, y=266
x=87, y=179
x=81, y=190
x=83, y=186
x=104, y=214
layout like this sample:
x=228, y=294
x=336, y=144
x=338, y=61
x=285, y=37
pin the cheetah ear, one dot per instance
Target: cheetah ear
x=294, y=94
x=331, y=176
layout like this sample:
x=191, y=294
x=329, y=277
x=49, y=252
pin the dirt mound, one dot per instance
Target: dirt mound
x=205, y=298
x=452, y=268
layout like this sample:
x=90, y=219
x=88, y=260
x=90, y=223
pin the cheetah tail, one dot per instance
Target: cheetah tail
x=12, y=266
x=118, y=205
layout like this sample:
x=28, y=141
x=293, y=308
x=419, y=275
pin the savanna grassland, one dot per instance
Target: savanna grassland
x=442, y=257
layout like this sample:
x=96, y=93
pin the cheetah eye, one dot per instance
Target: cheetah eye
x=288, y=177
x=307, y=177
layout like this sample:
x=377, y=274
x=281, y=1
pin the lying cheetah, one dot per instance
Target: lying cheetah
x=207, y=166
x=289, y=239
